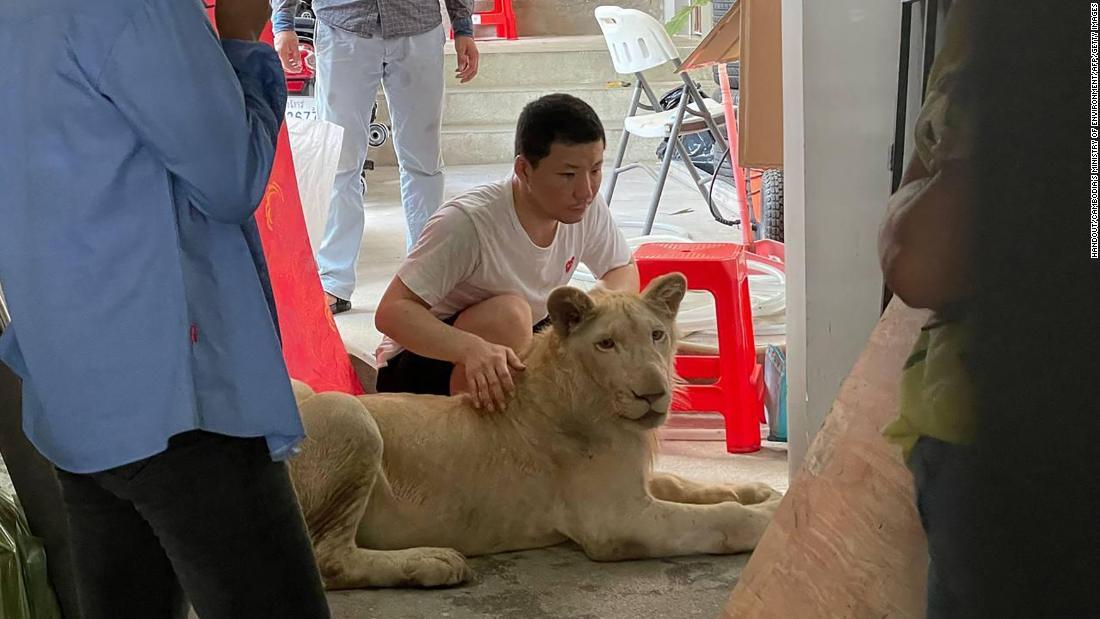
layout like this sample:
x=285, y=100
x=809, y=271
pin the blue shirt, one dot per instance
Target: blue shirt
x=135, y=148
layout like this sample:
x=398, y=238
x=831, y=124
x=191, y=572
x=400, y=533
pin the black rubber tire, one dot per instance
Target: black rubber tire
x=718, y=9
x=733, y=69
x=378, y=135
x=771, y=192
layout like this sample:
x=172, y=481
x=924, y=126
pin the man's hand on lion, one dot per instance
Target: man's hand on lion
x=489, y=370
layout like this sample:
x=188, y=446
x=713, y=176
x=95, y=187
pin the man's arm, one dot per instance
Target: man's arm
x=285, y=37
x=445, y=255
x=623, y=278
x=282, y=15
x=460, y=13
x=923, y=239
x=210, y=110
x=607, y=251
x=465, y=47
x=405, y=318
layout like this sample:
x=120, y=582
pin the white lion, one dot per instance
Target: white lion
x=396, y=488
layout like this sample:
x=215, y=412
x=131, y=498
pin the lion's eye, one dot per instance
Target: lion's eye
x=658, y=335
x=606, y=344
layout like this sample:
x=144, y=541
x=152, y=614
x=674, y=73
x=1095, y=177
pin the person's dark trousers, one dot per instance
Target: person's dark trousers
x=211, y=521
x=38, y=491
x=940, y=474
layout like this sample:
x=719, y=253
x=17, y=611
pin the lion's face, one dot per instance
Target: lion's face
x=623, y=345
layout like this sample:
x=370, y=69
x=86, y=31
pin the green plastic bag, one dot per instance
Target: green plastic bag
x=25, y=591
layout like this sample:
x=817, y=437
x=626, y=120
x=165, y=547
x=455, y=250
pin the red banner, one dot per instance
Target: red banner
x=312, y=347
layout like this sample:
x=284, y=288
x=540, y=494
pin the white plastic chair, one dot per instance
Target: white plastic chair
x=637, y=43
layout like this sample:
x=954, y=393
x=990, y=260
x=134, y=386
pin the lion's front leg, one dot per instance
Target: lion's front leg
x=334, y=475
x=655, y=528
x=667, y=487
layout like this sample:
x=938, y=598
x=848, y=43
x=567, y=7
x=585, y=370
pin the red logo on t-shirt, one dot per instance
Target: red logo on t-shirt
x=569, y=265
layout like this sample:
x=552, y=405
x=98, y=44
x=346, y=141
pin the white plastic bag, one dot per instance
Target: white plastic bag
x=315, y=145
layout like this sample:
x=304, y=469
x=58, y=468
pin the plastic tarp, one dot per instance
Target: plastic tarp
x=315, y=145
x=25, y=591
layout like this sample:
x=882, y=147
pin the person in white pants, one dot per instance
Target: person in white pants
x=360, y=44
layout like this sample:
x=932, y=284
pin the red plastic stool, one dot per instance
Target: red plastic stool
x=502, y=17
x=731, y=382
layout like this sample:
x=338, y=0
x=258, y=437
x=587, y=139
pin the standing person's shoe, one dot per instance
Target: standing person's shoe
x=338, y=305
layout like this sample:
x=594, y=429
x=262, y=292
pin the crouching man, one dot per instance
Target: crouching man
x=473, y=290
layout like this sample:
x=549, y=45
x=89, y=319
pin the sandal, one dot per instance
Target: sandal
x=339, y=306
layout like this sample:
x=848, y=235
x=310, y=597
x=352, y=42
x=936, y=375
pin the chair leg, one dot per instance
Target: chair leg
x=697, y=98
x=698, y=180
x=654, y=102
x=679, y=144
x=622, y=146
x=742, y=431
x=666, y=163
x=712, y=125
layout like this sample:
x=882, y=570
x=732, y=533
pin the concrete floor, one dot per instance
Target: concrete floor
x=559, y=582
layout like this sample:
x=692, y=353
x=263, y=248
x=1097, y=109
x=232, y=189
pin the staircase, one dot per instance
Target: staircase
x=479, y=117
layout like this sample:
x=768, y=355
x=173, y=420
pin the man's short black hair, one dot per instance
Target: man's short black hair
x=559, y=118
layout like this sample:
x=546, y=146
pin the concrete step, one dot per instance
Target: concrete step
x=479, y=117
x=473, y=144
x=496, y=105
x=490, y=106
x=482, y=144
x=493, y=142
x=493, y=105
x=575, y=61
x=578, y=68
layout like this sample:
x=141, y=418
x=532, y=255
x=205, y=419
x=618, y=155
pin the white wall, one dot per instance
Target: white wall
x=840, y=82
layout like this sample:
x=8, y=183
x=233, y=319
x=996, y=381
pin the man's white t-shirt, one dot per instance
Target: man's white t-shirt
x=474, y=248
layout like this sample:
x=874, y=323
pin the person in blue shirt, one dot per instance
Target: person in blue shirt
x=135, y=148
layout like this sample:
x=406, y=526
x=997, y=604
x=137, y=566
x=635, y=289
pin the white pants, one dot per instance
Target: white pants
x=349, y=70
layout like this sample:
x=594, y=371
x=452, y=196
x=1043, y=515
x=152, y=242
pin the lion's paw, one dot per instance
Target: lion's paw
x=755, y=493
x=768, y=506
x=436, y=567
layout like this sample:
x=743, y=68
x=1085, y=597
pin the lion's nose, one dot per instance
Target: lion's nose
x=650, y=397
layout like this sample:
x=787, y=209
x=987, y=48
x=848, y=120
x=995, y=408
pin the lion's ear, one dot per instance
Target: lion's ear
x=568, y=308
x=665, y=293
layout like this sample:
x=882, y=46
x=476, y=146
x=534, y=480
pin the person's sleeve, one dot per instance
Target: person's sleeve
x=282, y=15
x=943, y=130
x=210, y=110
x=446, y=254
x=461, y=18
x=605, y=246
